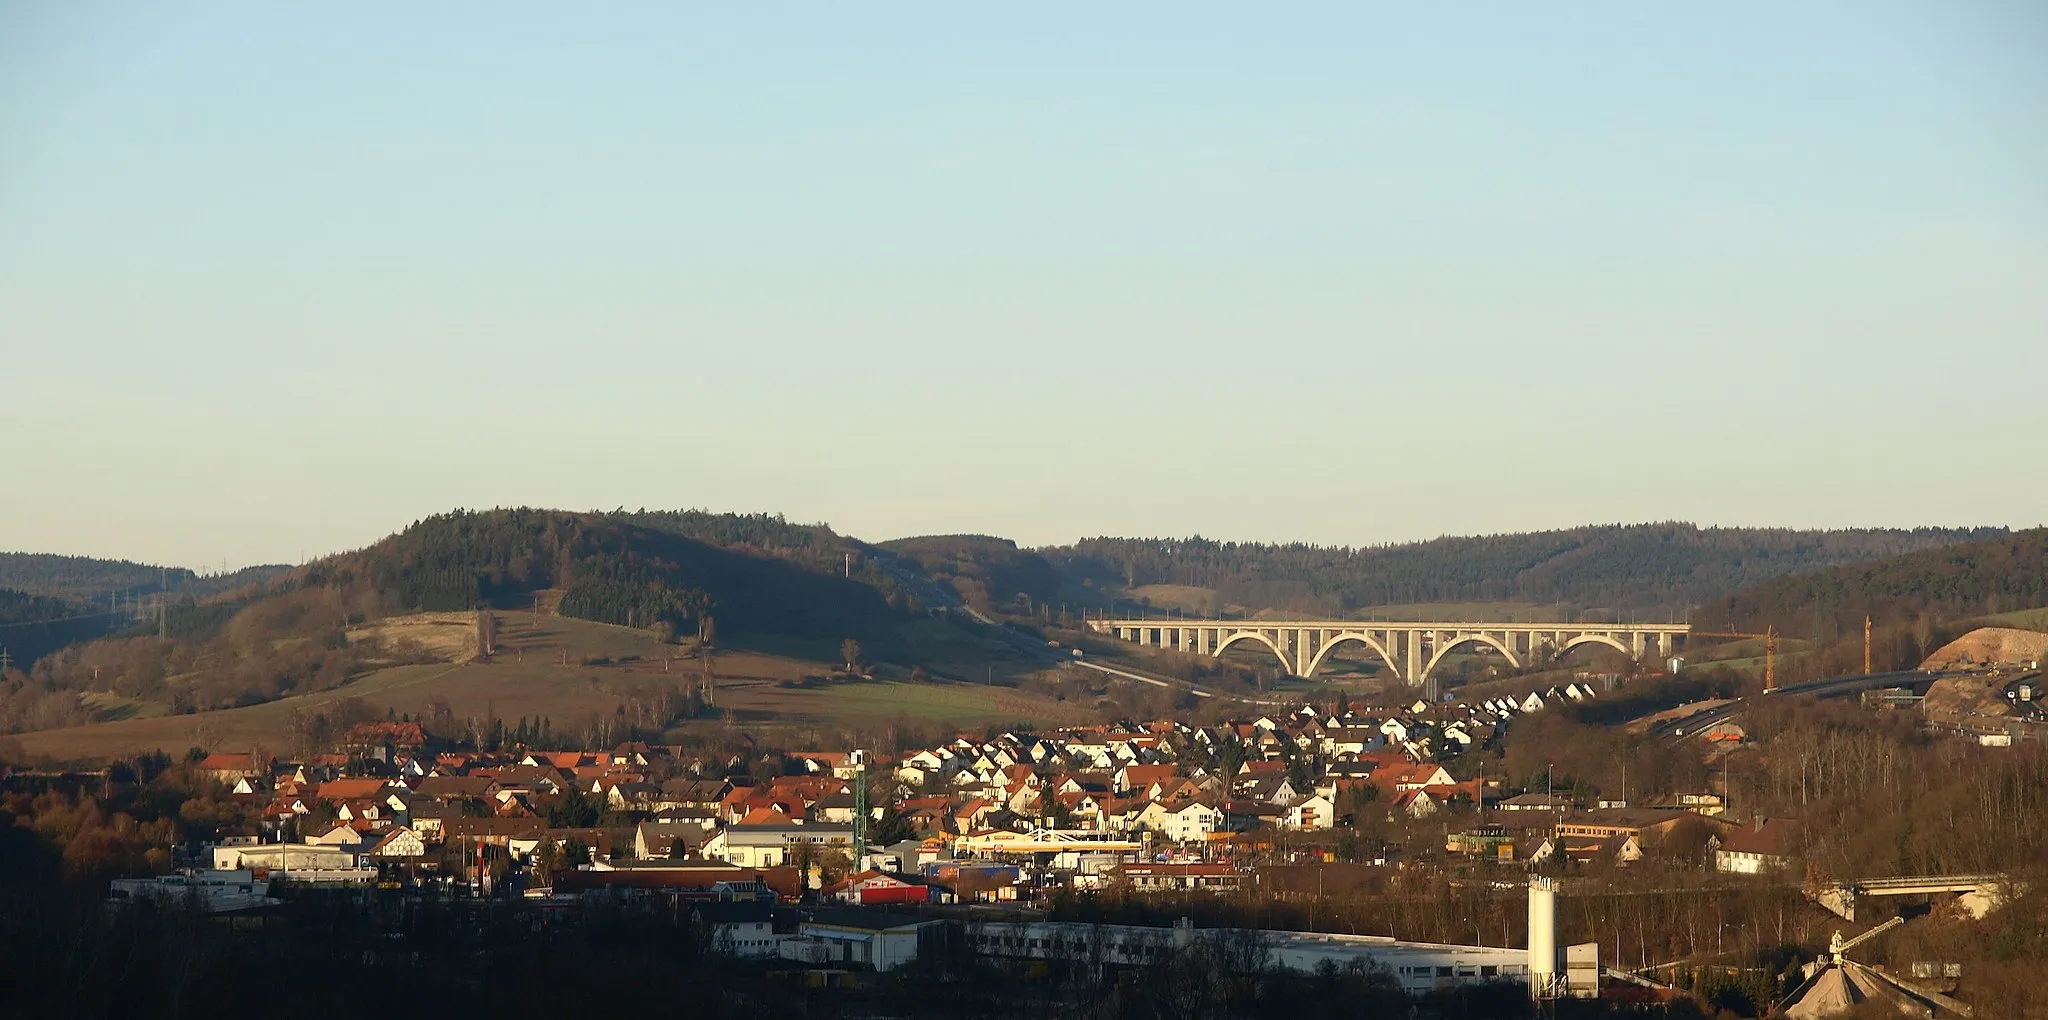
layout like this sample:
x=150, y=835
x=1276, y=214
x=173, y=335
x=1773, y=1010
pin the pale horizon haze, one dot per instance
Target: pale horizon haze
x=277, y=280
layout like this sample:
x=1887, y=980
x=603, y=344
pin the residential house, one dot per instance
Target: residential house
x=653, y=840
x=1765, y=845
x=1317, y=812
x=228, y=767
x=1141, y=778
x=399, y=843
x=771, y=845
x=1189, y=822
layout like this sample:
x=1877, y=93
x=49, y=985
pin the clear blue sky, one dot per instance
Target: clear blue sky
x=277, y=280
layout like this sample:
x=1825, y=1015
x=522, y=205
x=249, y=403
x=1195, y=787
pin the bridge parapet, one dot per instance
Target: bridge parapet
x=1411, y=650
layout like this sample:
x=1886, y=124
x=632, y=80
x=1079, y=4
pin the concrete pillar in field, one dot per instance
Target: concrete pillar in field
x=1635, y=645
x=1414, y=673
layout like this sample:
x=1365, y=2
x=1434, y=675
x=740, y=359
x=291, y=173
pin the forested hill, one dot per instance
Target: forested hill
x=752, y=573
x=756, y=576
x=34, y=625
x=1643, y=567
x=92, y=580
x=987, y=572
x=1993, y=575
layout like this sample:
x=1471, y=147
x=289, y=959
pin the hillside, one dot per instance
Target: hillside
x=772, y=586
x=1645, y=568
x=988, y=572
x=1916, y=602
x=590, y=682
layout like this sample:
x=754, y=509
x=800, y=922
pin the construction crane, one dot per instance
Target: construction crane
x=1837, y=945
x=1770, y=636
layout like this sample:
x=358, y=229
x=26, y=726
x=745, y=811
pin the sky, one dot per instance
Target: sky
x=278, y=279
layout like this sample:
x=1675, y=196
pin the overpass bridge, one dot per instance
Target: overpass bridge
x=1977, y=894
x=1411, y=650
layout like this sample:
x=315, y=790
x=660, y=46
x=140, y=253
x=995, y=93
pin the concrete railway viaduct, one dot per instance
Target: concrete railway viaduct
x=1411, y=650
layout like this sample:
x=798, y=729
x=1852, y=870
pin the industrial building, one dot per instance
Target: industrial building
x=1420, y=967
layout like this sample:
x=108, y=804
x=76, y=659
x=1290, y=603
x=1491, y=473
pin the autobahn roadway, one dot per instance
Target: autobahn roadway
x=1829, y=687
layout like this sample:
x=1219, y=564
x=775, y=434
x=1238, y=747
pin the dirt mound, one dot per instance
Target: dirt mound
x=1990, y=645
x=1963, y=698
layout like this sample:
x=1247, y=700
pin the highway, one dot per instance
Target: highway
x=1032, y=646
x=1831, y=687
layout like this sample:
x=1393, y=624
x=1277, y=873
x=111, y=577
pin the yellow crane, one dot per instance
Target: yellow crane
x=1770, y=636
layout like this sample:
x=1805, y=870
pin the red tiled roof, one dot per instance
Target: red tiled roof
x=350, y=789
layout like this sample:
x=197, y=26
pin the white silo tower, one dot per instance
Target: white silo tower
x=1543, y=983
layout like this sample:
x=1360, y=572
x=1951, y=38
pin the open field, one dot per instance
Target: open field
x=869, y=702
x=568, y=670
x=1183, y=597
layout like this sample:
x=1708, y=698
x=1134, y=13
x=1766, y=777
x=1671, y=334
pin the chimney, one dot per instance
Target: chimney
x=1759, y=823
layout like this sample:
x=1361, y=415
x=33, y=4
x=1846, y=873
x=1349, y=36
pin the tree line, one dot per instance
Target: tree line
x=1641, y=568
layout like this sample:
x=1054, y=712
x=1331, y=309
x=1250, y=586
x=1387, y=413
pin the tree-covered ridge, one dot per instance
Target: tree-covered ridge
x=91, y=579
x=22, y=607
x=629, y=568
x=986, y=571
x=84, y=576
x=1992, y=575
x=1642, y=567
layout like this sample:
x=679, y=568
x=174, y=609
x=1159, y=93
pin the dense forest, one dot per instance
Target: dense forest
x=989, y=573
x=756, y=574
x=93, y=581
x=1916, y=602
x=32, y=626
x=1642, y=568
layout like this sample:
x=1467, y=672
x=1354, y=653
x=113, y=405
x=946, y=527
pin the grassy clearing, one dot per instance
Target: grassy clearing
x=569, y=670
x=1184, y=597
x=869, y=702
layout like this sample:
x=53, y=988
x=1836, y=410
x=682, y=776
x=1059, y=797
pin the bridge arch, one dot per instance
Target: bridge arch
x=1465, y=639
x=1595, y=639
x=1367, y=639
x=1253, y=635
